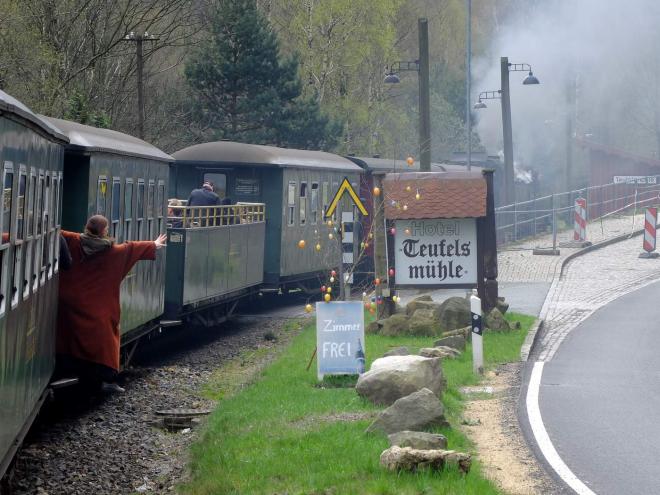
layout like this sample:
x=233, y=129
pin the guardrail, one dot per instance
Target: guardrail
x=215, y=216
x=554, y=212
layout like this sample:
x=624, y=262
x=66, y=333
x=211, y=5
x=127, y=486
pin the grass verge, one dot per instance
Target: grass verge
x=286, y=434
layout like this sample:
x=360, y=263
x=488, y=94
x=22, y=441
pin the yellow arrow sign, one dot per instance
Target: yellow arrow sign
x=345, y=187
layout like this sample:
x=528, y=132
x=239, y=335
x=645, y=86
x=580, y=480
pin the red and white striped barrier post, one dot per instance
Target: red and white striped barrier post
x=580, y=233
x=650, y=222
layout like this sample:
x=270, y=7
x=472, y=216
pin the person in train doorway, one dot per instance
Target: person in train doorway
x=88, y=314
x=204, y=196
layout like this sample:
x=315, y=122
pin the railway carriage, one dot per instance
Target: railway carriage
x=31, y=154
x=296, y=186
x=125, y=179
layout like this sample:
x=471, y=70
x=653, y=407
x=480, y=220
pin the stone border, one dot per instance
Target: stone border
x=535, y=331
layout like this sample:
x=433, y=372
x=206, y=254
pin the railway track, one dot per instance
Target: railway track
x=108, y=444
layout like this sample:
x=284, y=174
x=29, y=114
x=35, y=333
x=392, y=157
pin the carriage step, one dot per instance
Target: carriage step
x=169, y=323
x=64, y=382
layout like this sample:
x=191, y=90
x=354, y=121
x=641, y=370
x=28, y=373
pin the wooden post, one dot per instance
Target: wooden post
x=488, y=289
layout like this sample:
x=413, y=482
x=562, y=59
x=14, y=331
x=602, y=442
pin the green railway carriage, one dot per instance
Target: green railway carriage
x=296, y=186
x=31, y=154
x=125, y=179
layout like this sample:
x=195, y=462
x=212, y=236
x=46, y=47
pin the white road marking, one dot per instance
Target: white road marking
x=541, y=435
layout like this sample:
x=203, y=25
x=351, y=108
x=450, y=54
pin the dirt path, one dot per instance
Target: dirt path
x=491, y=423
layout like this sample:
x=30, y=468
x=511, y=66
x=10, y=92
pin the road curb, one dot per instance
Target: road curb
x=533, y=337
x=530, y=339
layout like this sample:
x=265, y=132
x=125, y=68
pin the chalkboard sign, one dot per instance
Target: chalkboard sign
x=340, y=338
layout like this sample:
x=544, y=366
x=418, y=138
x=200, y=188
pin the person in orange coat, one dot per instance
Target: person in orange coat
x=89, y=310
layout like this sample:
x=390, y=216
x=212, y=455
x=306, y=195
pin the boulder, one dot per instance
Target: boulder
x=454, y=313
x=393, y=377
x=397, y=324
x=466, y=332
x=409, y=459
x=455, y=341
x=495, y=320
x=424, y=297
x=416, y=304
x=422, y=323
x=419, y=440
x=420, y=410
x=502, y=305
x=439, y=352
x=397, y=351
x=373, y=327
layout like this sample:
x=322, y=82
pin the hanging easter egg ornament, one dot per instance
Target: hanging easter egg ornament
x=317, y=247
x=377, y=281
x=301, y=243
x=308, y=308
x=328, y=290
x=364, y=294
x=408, y=188
x=373, y=305
x=391, y=272
x=395, y=299
x=333, y=273
x=393, y=231
x=410, y=161
x=376, y=191
x=323, y=288
x=330, y=236
x=362, y=245
x=418, y=196
x=371, y=235
x=329, y=223
x=405, y=207
x=327, y=298
x=332, y=280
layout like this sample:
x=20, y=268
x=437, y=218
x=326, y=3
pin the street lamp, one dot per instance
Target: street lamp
x=504, y=95
x=421, y=66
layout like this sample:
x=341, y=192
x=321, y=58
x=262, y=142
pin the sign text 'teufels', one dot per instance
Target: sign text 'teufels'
x=436, y=252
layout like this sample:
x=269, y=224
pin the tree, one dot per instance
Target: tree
x=245, y=91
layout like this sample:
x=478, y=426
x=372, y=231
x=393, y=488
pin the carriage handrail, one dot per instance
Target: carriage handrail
x=215, y=216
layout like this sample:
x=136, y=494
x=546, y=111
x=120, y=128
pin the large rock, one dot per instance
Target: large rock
x=373, y=327
x=454, y=313
x=502, y=305
x=418, y=411
x=408, y=459
x=422, y=323
x=455, y=341
x=495, y=320
x=439, y=352
x=417, y=304
x=397, y=324
x=398, y=351
x=466, y=332
x=419, y=440
x=393, y=377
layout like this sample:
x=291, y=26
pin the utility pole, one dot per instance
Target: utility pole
x=424, y=98
x=468, y=76
x=509, y=191
x=139, y=40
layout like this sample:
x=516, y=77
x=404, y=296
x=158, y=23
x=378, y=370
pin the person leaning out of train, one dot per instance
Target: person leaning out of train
x=88, y=337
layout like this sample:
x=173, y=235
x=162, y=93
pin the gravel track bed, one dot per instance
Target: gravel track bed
x=106, y=444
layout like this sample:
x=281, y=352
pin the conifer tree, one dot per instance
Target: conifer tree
x=245, y=91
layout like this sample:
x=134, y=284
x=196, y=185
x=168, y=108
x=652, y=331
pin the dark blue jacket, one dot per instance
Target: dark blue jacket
x=203, y=197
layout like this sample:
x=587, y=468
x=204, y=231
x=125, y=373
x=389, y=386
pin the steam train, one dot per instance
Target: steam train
x=56, y=173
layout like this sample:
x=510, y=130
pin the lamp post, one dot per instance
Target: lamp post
x=504, y=95
x=139, y=40
x=421, y=66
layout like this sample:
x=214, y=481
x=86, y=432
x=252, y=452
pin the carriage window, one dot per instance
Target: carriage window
x=335, y=187
x=128, y=208
x=160, y=204
x=58, y=204
x=303, y=203
x=140, y=199
x=315, y=202
x=101, y=195
x=40, y=204
x=22, y=185
x=325, y=198
x=47, y=204
x=291, y=202
x=16, y=275
x=32, y=193
x=116, y=204
x=150, y=201
x=8, y=189
x=219, y=182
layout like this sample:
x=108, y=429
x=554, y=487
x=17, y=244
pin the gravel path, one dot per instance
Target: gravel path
x=107, y=445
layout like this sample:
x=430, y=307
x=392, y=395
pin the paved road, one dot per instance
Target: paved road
x=600, y=396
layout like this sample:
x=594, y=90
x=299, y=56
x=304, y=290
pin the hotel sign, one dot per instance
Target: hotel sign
x=436, y=252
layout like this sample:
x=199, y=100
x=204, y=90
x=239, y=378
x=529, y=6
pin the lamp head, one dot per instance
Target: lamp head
x=531, y=79
x=480, y=105
x=391, y=78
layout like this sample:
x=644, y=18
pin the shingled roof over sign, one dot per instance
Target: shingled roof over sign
x=442, y=195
